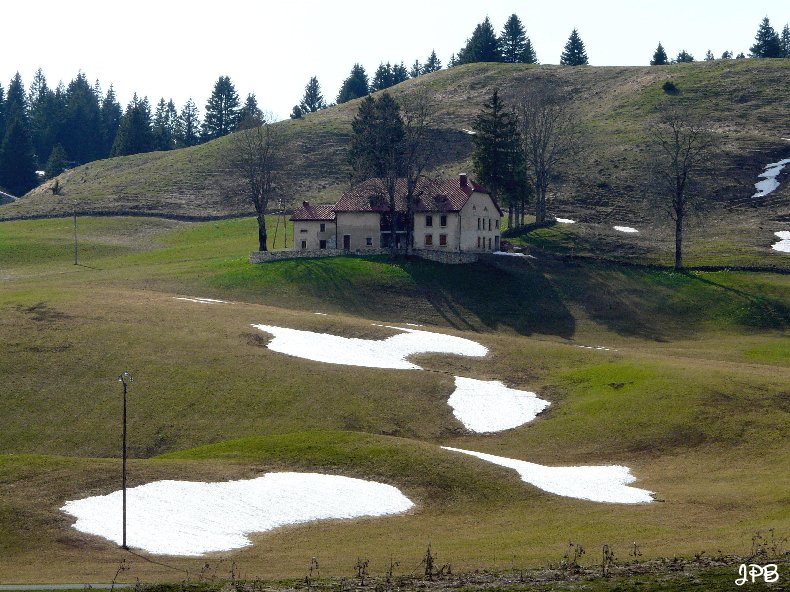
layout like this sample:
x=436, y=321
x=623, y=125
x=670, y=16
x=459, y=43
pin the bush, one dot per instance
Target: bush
x=670, y=88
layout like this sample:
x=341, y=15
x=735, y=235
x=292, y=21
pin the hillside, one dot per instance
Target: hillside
x=745, y=101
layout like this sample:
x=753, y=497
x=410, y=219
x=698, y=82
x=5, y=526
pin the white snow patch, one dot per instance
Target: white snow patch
x=490, y=406
x=784, y=241
x=769, y=183
x=565, y=221
x=201, y=300
x=607, y=483
x=513, y=254
x=595, y=347
x=371, y=353
x=323, y=314
x=413, y=324
x=625, y=229
x=192, y=518
x=468, y=131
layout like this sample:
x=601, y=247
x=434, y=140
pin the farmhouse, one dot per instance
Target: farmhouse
x=452, y=215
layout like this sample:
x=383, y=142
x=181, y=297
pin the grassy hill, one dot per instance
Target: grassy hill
x=691, y=393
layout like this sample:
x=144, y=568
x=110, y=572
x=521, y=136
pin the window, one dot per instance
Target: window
x=428, y=240
x=478, y=242
x=489, y=243
x=304, y=244
x=322, y=244
x=496, y=223
x=429, y=220
x=322, y=228
x=489, y=225
x=442, y=240
x=369, y=241
x=303, y=230
x=443, y=220
x=478, y=223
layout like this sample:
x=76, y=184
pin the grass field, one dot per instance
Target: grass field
x=692, y=394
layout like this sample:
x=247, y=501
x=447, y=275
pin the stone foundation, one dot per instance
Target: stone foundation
x=447, y=257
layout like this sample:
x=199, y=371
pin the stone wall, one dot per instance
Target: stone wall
x=448, y=257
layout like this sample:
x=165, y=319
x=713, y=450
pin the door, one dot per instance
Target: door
x=347, y=242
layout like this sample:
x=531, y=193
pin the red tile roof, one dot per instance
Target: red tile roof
x=432, y=195
x=311, y=212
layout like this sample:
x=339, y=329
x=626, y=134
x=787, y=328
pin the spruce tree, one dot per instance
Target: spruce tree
x=684, y=57
x=399, y=73
x=56, y=163
x=767, y=43
x=574, y=53
x=2, y=112
x=16, y=100
x=188, y=130
x=355, y=86
x=727, y=55
x=659, y=56
x=250, y=111
x=81, y=133
x=432, y=64
x=134, y=134
x=516, y=46
x=297, y=112
x=222, y=110
x=17, y=161
x=482, y=46
x=111, y=114
x=785, y=38
x=416, y=69
x=164, y=125
x=382, y=78
x=709, y=56
x=312, y=100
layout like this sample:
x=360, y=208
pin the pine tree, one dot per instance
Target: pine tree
x=42, y=127
x=56, y=163
x=81, y=132
x=432, y=64
x=482, y=46
x=416, y=69
x=786, y=41
x=134, y=134
x=188, y=130
x=111, y=114
x=399, y=73
x=222, y=110
x=709, y=56
x=684, y=57
x=727, y=55
x=382, y=78
x=452, y=62
x=17, y=161
x=250, y=111
x=516, y=46
x=767, y=43
x=574, y=53
x=312, y=100
x=16, y=100
x=2, y=112
x=164, y=125
x=740, y=56
x=297, y=112
x=355, y=86
x=496, y=154
x=659, y=56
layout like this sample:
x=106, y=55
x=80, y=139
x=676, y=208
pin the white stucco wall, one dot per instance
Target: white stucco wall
x=359, y=226
x=480, y=207
x=452, y=229
x=309, y=233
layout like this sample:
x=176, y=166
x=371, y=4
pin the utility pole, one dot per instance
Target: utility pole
x=124, y=378
x=75, y=234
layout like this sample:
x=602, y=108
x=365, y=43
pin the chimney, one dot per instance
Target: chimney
x=462, y=179
x=306, y=204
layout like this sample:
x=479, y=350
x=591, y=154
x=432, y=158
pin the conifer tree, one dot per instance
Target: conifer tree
x=482, y=46
x=516, y=46
x=684, y=57
x=250, y=111
x=767, y=43
x=297, y=112
x=164, y=125
x=785, y=38
x=383, y=78
x=709, y=56
x=416, y=69
x=188, y=130
x=355, y=86
x=17, y=161
x=81, y=133
x=2, y=112
x=496, y=154
x=312, y=100
x=134, y=134
x=659, y=56
x=574, y=53
x=56, y=163
x=222, y=110
x=399, y=73
x=727, y=55
x=111, y=114
x=432, y=64
x=16, y=100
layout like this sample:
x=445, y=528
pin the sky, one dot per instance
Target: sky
x=178, y=49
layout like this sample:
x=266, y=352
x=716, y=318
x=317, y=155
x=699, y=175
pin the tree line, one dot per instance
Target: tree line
x=50, y=130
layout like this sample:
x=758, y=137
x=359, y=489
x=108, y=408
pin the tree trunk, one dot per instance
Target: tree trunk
x=262, y=233
x=679, y=241
x=510, y=215
x=540, y=206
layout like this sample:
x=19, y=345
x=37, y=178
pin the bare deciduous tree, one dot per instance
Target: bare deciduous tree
x=550, y=137
x=681, y=150
x=257, y=158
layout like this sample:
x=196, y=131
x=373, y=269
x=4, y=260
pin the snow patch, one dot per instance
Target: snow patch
x=595, y=347
x=607, y=483
x=192, y=518
x=468, y=131
x=784, y=241
x=769, y=184
x=351, y=351
x=625, y=229
x=565, y=221
x=490, y=406
x=323, y=314
x=201, y=300
x=512, y=254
